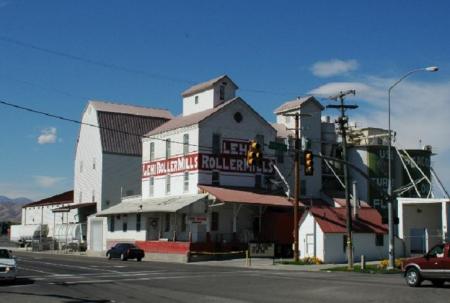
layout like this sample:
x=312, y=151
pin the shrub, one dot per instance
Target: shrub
x=311, y=260
x=384, y=263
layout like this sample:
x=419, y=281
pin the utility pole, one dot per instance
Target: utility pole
x=343, y=122
x=297, y=185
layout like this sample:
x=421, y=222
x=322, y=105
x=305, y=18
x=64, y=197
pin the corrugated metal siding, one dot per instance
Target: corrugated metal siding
x=122, y=143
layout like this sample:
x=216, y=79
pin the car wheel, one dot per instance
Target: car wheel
x=122, y=257
x=109, y=256
x=139, y=259
x=413, y=278
x=437, y=283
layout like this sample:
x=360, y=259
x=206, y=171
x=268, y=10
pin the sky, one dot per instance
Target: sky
x=57, y=55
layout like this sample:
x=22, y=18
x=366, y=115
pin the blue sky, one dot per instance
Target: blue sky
x=274, y=50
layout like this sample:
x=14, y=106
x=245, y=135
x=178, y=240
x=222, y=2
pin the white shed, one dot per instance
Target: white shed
x=322, y=234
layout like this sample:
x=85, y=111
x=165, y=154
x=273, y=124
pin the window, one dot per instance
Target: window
x=93, y=163
x=186, y=182
x=215, y=178
x=379, y=239
x=196, y=99
x=222, y=92
x=152, y=151
x=138, y=222
x=124, y=227
x=168, y=184
x=168, y=151
x=237, y=117
x=183, y=222
x=93, y=195
x=185, y=144
x=81, y=196
x=258, y=181
x=111, y=224
x=152, y=186
x=214, y=221
x=216, y=144
x=167, y=222
x=81, y=166
x=437, y=251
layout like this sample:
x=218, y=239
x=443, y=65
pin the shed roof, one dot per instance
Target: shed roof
x=205, y=85
x=104, y=106
x=246, y=196
x=63, y=198
x=297, y=104
x=333, y=220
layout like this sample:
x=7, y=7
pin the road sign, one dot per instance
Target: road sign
x=277, y=146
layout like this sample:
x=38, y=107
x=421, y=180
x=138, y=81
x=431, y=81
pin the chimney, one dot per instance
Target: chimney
x=355, y=201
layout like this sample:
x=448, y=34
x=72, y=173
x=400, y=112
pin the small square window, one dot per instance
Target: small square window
x=196, y=100
x=186, y=182
x=185, y=144
x=168, y=184
x=152, y=151
x=151, y=187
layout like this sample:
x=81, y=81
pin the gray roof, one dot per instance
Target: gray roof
x=195, y=118
x=127, y=140
x=205, y=85
x=121, y=126
x=297, y=104
x=168, y=204
x=131, y=109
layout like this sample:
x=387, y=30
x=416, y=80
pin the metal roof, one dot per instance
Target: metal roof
x=246, y=196
x=131, y=127
x=206, y=85
x=63, y=198
x=333, y=220
x=162, y=205
x=103, y=106
x=297, y=104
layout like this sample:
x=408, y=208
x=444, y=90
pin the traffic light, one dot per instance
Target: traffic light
x=254, y=154
x=308, y=163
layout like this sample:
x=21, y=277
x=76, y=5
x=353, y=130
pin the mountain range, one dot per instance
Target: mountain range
x=11, y=209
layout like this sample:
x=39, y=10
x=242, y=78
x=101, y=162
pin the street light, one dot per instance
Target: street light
x=390, y=210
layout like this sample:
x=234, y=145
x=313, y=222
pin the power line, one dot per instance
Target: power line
x=121, y=67
x=93, y=125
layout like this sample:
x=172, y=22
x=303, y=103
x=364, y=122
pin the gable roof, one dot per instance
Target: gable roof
x=297, y=104
x=206, y=85
x=121, y=126
x=110, y=107
x=63, y=198
x=333, y=220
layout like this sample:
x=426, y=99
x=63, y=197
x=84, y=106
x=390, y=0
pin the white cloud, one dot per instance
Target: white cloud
x=419, y=111
x=333, y=67
x=47, y=181
x=47, y=136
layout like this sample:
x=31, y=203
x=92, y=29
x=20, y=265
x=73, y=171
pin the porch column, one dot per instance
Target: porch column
x=235, y=213
x=444, y=221
x=208, y=226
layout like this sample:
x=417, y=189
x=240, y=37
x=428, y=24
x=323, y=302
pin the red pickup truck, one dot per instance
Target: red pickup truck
x=434, y=266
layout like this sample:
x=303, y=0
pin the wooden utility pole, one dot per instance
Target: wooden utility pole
x=297, y=185
x=343, y=121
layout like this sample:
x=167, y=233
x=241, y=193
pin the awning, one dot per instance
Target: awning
x=73, y=206
x=161, y=205
x=246, y=196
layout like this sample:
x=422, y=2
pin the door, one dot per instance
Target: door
x=96, y=235
x=152, y=229
x=310, y=245
x=433, y=266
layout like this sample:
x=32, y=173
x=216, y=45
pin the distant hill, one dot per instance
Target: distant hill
x=11, y=209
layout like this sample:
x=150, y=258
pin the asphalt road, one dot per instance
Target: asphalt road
x=62, y=278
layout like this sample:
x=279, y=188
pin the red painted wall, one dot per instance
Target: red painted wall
x=163, y=247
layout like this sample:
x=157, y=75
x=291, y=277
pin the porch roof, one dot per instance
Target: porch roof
x=164, y=205
x=246, y=196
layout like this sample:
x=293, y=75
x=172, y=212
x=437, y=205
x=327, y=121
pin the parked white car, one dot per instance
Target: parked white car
x=8, y=265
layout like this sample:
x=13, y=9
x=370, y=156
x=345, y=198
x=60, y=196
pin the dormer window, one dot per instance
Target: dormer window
x=222, y=92
x=196, y=100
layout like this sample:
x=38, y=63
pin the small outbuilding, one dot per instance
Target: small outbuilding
x=322, y=234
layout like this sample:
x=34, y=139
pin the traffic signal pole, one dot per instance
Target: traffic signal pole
x=297, y=185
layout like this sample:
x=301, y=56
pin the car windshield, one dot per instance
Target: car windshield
x=4, y=254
